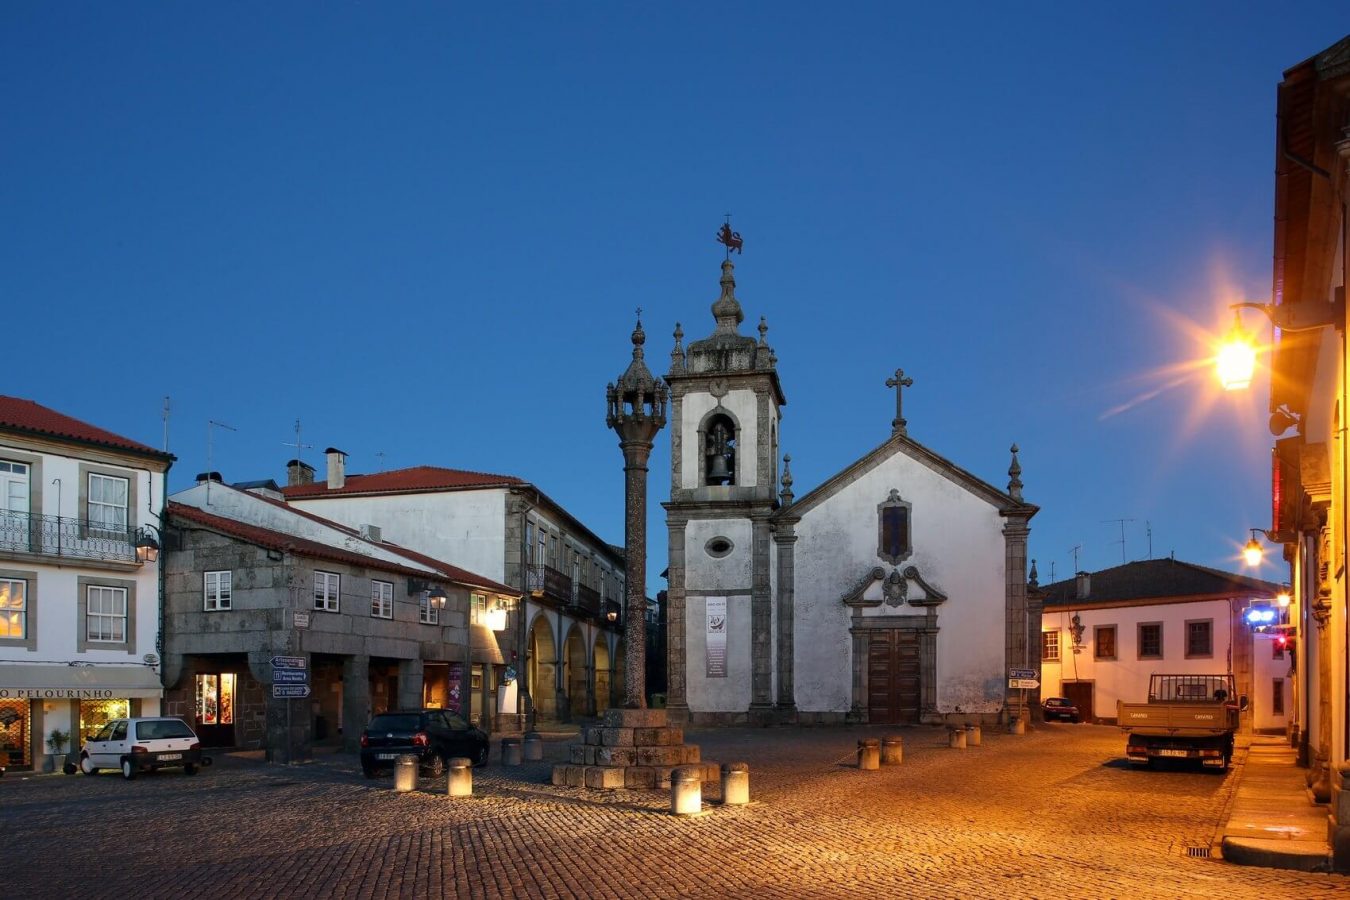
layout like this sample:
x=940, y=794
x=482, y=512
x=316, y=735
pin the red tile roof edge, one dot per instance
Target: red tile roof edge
x=389, y=483
x=30, y=417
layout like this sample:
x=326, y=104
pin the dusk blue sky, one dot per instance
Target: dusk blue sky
x=423, y=230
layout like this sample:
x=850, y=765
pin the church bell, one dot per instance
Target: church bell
x=718, y=472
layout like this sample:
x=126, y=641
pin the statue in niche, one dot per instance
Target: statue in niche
x=721, y=453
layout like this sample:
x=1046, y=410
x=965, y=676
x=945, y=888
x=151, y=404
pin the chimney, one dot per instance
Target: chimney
x=299, y=472
x=203, y=477
x=1084, y=586
x=337, y=468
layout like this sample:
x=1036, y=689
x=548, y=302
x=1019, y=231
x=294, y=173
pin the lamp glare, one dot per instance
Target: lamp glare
x=1237, y=359
x=1252, y=554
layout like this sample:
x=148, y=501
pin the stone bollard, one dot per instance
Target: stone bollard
x=686, y=790
x=1017, y=725
x=510, y=751
x=892, y=750
x=956, y=738
x=869, y=754
x=461, y=778
x=534, y=747
x=735, y=784
x=972, y=735
x=405, y=773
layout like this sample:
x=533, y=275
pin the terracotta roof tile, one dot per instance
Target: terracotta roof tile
x=1156, y=579
x=417, y=478
x=277, y=540
x=34, y=418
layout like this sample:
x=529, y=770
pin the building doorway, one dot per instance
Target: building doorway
x=542, y=655
x=1079, y=693
x=215, y=708
x=575, y=675
x=601, y=675
x=893, y=677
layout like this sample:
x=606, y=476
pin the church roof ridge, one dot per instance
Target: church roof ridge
x=915, y=450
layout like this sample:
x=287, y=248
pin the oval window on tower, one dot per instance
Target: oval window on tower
x=719, y=547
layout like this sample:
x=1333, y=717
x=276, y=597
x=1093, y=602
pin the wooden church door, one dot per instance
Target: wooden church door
x=893, y=677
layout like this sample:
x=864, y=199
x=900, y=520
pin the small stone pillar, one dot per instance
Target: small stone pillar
x=956, y=738
x=892, y=750
x=405, y=773
x=972, y=735
x=461, y=778
x=869, y=754
x=511, y=751
x=686, y=790
x=735, y=784
x=534, y=747
x=1017, y=725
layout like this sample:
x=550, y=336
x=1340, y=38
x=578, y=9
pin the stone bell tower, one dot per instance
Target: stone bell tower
x=726, y=405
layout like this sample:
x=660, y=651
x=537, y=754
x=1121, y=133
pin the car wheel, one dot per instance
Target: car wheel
x=190, y=769
x=87, y=767
x=128, y=769
x=436, y=766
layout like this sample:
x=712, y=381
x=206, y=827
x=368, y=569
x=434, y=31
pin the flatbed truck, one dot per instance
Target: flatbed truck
x=1188, y=717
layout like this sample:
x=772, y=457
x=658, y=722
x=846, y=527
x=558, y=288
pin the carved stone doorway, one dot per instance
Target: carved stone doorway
x=893, y=678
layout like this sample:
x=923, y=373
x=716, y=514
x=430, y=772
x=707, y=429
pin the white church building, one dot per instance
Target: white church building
x=895, y=592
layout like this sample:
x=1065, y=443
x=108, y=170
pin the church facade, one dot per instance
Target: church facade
x=895, y=592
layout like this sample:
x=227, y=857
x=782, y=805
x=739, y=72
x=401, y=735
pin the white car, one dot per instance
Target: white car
x=134, y=745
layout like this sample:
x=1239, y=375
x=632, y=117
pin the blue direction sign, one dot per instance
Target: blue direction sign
x=1022, y=673
x=290, y=676
x=280, y=691
x=289, y=662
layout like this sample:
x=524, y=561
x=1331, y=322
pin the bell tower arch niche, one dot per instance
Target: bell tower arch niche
x=719, y=448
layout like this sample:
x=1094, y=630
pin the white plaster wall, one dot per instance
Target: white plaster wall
x=245, y=507
x=743, y=405
x=1126, y=677
x=464, y=528
x=57, y=585
x=1265, y=669
x=718, y=576
x=958, y=548
x=730, y=694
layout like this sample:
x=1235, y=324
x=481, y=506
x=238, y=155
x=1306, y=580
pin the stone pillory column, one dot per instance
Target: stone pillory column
x=637, y=411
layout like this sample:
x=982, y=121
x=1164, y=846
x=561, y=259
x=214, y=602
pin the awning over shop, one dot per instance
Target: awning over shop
x=91, y=682
x=483, y=646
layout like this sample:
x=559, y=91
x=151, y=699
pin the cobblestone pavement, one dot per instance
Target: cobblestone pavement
x=1054, y=813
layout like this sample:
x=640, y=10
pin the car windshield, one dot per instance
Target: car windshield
x=395, y=722
x=159, y=729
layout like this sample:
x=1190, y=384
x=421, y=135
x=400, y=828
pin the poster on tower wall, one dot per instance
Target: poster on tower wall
x=717, y=637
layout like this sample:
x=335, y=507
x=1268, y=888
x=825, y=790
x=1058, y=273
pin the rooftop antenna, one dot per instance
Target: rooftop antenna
x=297, y=445
x=1074, y=550
x=1052, y=571
x=379, y=455
x=1121, y=523
x=166, y=423
x=1148, y=529
x=210, y=424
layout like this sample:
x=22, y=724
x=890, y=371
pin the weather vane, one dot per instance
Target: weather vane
x=732, y=239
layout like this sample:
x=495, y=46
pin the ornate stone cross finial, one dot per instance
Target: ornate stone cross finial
x=899, y=382
x=1015, y=476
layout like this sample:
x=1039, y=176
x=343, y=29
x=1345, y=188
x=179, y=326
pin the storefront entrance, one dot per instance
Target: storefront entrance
x=215, y=692
x=15, y=729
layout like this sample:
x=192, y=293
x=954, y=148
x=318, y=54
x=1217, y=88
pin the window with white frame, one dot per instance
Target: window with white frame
x=478, y=609
x=217, y=590
x=426, y=613
x=326, y=586
x=382, y=599
x=13, y=608
x=1050, y=645
x=106, y=616
x=108, y=502
x=1199, y=637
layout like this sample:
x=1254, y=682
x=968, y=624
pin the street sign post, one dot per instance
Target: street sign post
x=1023, y=673
x=289, y=662
x=290, y=676
x=1025, y=684
x=290, y=691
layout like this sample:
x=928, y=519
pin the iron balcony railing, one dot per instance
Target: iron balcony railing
x=549, y=582
x=587, y=600
x=62, y=536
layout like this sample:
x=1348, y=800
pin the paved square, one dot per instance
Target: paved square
x=1052, y=814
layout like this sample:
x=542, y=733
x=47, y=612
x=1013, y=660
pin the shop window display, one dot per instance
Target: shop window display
x=94, y=714
x=15, y=723
x=215, y=699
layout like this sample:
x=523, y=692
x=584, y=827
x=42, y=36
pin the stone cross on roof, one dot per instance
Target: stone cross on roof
x=899, y=382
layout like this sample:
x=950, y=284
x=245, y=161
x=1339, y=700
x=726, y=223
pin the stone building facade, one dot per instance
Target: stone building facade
x=247, y=580
x=894, y=592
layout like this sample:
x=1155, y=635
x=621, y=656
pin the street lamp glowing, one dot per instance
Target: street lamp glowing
x=1283, y=598
x=1253, y=553
x=1237, y=357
